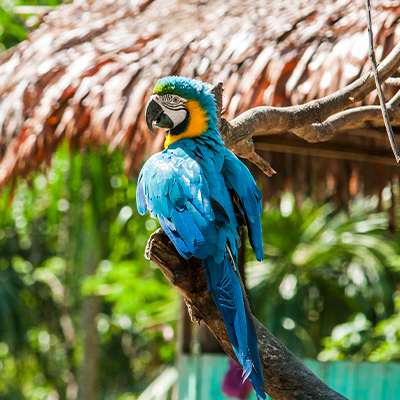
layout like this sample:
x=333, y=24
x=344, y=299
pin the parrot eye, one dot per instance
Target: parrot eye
x=173, y=100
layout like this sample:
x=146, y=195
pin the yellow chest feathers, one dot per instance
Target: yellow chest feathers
x=197, y=123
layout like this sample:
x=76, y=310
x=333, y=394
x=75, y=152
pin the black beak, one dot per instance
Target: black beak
x=156, y=116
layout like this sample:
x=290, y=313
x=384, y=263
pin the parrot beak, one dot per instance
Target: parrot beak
x=156, y=116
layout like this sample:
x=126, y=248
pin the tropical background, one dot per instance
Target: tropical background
x=71, y=250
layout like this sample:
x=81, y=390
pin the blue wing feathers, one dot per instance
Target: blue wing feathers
x=186, y=186
x=177, y=196
x=175, y=238
x=239, y=178
x=196, y=236
x=207, y=227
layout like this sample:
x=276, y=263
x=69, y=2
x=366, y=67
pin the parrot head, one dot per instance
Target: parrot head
x=183, y=107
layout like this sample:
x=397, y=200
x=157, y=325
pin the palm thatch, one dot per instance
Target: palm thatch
x=86, y=74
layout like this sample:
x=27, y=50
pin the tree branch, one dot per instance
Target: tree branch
x=324, y=131
x=393, y=81
x=296, y=118
x=316, y=121
x=285, y=376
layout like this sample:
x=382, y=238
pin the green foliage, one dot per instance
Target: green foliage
x=321, y=267
x=13, y=27
x=12, y=30
x=359, y=340
x=122, y=285
x=64, y=236
x=74, y=232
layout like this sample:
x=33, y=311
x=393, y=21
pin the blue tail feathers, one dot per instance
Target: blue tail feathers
x=226, y=289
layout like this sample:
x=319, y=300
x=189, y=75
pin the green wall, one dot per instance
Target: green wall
x=200, y=378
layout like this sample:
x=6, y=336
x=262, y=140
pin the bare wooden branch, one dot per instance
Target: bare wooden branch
x=297, y=118
x=324, y=131
x=382, y=101
x=393, y=81
x=285, y=376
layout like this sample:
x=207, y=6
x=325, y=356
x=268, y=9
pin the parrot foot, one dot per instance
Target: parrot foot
x=150, y=241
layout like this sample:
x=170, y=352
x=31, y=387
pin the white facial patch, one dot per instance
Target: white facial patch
x=173, y=105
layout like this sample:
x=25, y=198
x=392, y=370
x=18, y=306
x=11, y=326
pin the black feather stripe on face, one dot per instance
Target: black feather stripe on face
x=173, y=101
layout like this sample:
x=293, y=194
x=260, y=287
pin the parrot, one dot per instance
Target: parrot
x=202, y=194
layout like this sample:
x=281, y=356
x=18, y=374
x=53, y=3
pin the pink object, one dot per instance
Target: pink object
x=233, y=385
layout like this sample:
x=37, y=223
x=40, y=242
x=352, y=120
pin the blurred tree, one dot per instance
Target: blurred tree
x=321, y=266
x=359, y=340
x=69, y=282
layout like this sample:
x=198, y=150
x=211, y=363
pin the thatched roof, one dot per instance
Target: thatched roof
x=86, y=73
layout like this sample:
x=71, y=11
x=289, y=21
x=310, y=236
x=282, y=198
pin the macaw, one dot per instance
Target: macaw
x=201, y=193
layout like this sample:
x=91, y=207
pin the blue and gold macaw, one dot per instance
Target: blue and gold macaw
x=201, y=193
